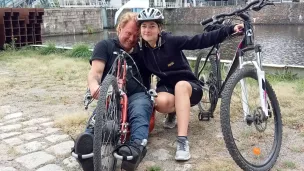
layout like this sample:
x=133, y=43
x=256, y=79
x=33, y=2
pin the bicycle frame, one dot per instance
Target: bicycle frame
x=121, y=80
x=238, y=63
x=121, y=73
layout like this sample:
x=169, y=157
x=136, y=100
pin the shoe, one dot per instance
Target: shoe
x=137, y=149
x=170, y=121
x=84, y=145
x=182, y=150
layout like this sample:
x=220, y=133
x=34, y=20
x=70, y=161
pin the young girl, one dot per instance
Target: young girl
x=178, y=88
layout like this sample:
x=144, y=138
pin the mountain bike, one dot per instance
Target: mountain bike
x=111, y=127
x=250, y=113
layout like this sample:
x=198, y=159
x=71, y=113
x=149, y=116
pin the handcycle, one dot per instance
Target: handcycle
x=244, y=126
x=111, y=127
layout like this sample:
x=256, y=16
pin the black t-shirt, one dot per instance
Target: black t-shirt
x=104, y=51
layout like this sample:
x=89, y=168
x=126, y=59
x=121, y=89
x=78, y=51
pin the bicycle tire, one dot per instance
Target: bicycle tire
x=198, y=61
x=106, y=131
x=225, y=117
x=206, y=85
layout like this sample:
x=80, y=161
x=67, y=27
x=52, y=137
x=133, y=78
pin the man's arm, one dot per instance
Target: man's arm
x=98, y=62
x=94, y=77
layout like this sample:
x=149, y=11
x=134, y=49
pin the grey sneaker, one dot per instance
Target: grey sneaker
x=182, y=150
x=170, y=121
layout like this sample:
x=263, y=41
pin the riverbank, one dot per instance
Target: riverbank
x=52, y=86
x=83, y=20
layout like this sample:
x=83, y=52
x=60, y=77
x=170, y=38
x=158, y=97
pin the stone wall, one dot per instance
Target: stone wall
x=287, y=13
x=71, y=21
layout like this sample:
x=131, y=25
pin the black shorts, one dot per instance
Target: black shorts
x=195, y=98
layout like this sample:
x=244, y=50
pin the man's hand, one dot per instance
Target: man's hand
x=239, y=28
x=95, y=91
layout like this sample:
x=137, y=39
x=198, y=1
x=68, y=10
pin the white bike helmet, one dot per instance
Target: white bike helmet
x=150, y=14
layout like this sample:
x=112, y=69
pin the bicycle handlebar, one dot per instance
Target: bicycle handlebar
x=257, y=5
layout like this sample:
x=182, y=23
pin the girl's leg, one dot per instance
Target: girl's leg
x=164, y=102
x=183, y=91
x=186, y=94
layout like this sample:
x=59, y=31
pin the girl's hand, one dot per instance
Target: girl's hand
x=238, y=28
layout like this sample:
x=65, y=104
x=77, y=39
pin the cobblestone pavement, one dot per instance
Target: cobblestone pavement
x=28, y=144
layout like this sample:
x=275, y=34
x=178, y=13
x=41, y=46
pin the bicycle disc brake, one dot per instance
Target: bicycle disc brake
x=260, y=120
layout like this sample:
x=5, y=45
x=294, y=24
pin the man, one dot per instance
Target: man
x=139, y=103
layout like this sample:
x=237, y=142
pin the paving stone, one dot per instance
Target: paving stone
x=13, y=141
x=49, y=130
x=30, y=136
x=14, y=115
x=47, y=124
x=185, y=167
x=50, y=167
x=5, y=109
x=71, y=162
x=162, y=154
x=30, y=147
x=56, y=138
x=62, y=148
x=16, y=120
x=9, y=127
x=7, y=169
x=36, y=121
x=30, y=129
x=10, y=134
x=33, y=160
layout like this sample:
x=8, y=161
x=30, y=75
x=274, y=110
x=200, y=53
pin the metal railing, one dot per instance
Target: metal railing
x=202, y=3
x=84, y=3
x=55, y=3
x=165, y=5
x=15, y=3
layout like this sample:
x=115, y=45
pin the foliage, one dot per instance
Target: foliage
x=80, y=50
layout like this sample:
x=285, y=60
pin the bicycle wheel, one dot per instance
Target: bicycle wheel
x=253, y=145
x=209, y=100
x=107, y=125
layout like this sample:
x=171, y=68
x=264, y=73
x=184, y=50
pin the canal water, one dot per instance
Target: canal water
x=282, y=44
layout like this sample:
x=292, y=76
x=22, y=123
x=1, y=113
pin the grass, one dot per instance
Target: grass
x=80, y=50
x=68, y=71
x=289, y=165
x=217, y=164
x=297, y=149
x=72, y=124
x=154, y=168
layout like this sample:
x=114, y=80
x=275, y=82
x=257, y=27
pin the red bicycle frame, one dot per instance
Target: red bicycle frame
x=121, y=80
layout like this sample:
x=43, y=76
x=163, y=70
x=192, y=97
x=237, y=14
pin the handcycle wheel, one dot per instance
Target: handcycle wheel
x=253, y=141
x=209, y=99
x=107, y=125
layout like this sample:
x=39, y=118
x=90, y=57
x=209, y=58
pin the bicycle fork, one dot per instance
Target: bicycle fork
x=262, y=84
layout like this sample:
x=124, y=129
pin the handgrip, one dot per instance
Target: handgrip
x=206, y=21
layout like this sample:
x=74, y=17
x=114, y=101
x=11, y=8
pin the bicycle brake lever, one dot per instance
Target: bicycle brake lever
x=152, y=93
x=87, y=99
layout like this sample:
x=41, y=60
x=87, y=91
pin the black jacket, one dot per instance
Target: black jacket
x=104, y=49
x=169, y=63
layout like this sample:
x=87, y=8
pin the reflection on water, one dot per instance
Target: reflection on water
x=281, y=44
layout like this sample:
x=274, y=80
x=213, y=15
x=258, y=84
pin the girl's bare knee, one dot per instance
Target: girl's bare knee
x=164, y=103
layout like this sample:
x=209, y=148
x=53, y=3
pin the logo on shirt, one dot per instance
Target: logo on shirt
x=170, y=64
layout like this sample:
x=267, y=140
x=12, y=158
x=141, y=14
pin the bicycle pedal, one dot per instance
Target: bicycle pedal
x=205, y=116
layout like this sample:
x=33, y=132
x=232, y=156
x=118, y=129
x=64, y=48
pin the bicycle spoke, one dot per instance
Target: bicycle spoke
x=254, y=146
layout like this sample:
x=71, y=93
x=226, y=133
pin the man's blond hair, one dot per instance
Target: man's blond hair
x=125, y=18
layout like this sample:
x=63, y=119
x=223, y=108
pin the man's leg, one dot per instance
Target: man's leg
x=183, y=101
x=139, y=114
x=84, y=145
